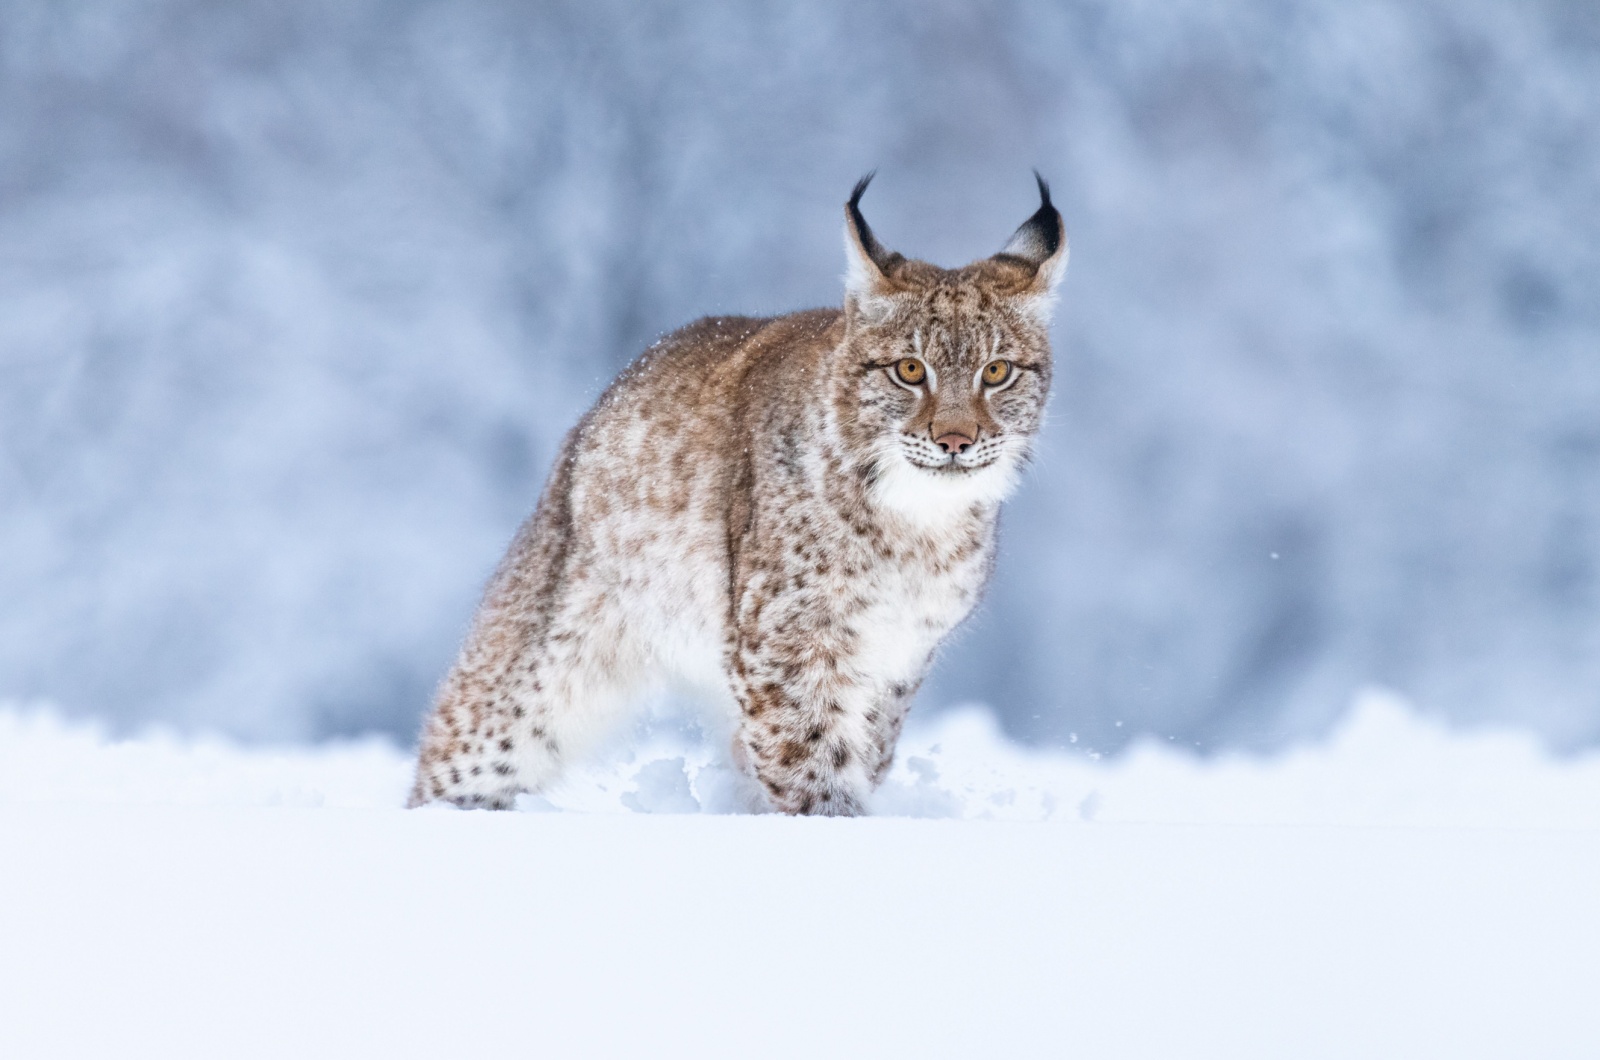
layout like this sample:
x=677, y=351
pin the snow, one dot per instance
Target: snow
x=1402, y=890
x=1385, y=766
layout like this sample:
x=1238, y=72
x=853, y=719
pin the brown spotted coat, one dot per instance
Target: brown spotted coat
x=763, y=509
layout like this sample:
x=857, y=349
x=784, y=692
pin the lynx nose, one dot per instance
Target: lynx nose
x=953, y=443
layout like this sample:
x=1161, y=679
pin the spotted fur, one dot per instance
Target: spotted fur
x=762, y=509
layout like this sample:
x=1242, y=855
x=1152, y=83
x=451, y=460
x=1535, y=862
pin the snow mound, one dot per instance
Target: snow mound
x=192, y=898
x=1385, y=765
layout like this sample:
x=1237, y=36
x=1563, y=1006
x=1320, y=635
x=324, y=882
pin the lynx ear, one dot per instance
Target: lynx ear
x=1041, y=244
x=867, y=264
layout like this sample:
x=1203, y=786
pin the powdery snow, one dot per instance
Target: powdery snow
x=1385, y=766
x=1401, y=890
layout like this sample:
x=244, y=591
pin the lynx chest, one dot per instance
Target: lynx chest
x=898, y=607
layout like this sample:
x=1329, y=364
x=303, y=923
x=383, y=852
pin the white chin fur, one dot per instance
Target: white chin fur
x=931, y=498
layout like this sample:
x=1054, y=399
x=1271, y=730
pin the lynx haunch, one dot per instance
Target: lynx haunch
x=788, y=514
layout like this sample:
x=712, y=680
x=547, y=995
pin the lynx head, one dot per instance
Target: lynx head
x=946, y=371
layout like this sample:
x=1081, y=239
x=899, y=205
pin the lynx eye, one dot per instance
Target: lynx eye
x=911, y=371
x=996, y=372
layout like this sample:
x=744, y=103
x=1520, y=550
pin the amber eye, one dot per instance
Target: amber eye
x=996, y=372
x=911, y=371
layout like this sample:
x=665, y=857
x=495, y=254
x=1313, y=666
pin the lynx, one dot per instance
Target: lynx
x=788, y=514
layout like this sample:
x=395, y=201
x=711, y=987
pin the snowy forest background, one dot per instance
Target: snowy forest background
x=296, y=300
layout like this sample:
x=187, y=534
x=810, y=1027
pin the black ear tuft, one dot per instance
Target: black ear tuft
x=860, y=190
x=1047, y=216
x=1040, y=235
x=863, y=231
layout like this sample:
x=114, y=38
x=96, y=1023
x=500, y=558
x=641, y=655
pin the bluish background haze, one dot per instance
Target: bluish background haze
x=297, y=299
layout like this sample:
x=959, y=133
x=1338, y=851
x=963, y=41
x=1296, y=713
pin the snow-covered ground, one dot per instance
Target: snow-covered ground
x=1402, y=890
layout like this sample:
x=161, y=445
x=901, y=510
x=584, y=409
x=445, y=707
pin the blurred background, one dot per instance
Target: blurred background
x=297, y=299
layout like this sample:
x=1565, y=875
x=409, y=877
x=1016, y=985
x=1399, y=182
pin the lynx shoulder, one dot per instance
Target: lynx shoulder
x=788, y=514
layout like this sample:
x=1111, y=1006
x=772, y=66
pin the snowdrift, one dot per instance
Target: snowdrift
x=1384, y=766
x=1401, y=890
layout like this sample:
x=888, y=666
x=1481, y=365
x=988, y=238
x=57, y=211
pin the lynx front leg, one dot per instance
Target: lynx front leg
x=890, y=718
x=815, y=742
x=805, y=764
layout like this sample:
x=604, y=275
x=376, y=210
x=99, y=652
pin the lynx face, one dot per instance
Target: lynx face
x=948, y=369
